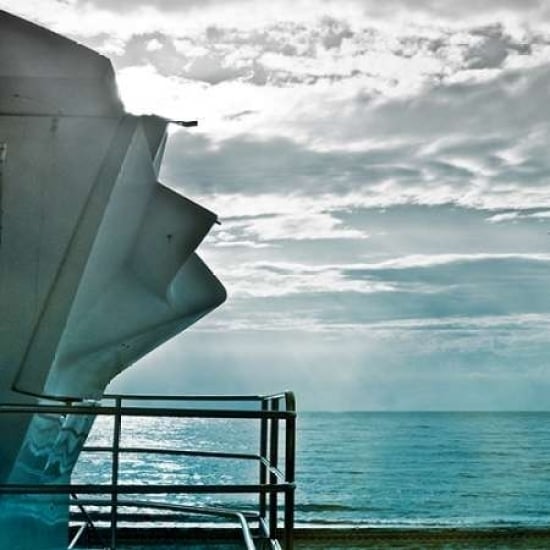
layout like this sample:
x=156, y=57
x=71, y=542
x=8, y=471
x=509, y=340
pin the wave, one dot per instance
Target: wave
x=326, y=508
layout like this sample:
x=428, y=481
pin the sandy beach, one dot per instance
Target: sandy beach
x=338, y=539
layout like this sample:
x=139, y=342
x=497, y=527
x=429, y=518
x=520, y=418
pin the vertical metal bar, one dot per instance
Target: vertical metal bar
x=273, y=460
x=3, y=152
x=290, y=470
x=263, y=455
x=114, y=472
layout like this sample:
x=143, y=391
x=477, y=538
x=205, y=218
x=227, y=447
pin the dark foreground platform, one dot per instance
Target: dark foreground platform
x=331, y=538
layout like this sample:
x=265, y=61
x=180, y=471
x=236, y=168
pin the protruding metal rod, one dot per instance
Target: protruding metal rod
x=185, y=123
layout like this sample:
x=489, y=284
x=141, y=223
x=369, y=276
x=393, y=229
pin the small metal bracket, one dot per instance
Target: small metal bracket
x=185, y=123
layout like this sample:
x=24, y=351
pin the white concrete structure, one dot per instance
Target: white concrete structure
x=97, y=259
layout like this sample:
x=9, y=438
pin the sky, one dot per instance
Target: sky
x=382, y=178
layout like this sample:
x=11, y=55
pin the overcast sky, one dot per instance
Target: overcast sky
x=381, y=171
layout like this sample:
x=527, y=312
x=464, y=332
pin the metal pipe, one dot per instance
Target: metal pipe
x=114, y=473
x=273, y=459
x=77, y=536
x=129, y=489
x=205, y=510
x=202, y=510
x=89, y=523
x=263, y=459
x=172, y=452
x=211, y=397
x=145, y=411
x=290, y=470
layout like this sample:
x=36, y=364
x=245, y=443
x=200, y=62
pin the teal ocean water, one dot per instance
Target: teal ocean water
x=416, y=469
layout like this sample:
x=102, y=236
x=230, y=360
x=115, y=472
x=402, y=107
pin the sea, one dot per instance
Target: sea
x=366, y=469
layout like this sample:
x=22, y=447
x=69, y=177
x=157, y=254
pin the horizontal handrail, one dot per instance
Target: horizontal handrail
x=190, y=397
x=172, y=452
x=172, y=489
x=196, y=397
x=145, y=411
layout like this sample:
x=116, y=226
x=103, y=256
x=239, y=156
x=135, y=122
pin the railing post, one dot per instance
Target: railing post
x=290, y=469
x=114, y=472
x=273, y=461
x=263, y=456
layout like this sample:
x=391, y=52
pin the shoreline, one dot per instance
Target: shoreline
x=338, y=538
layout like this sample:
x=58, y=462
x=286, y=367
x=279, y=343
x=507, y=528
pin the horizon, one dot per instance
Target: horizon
x=433, y=411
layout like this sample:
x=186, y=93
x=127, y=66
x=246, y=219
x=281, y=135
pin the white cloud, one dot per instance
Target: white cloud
x=515, y=216
x=431, y=260
x=523, y=327
x=294, y=226
x=265, y=279
x=250, y=13
x=278, y=278
x=154, y=45
x=481, y=146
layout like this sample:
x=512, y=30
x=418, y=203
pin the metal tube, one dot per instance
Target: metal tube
x=130, y=489
x=290, y=470
x=77, y=536
x=154, y=504
x=211, y=397
x=273, y=459
x=172, y=452
x=143, y=411
x=206, y=510
x=263, y=459
x=89, y=522
x=114, y=473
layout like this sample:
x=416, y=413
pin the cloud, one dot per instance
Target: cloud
x=445, y=292
x=516, y=216
x=398, y=10
x=390, y=61
x=381, y=173
x=431, y=260
x=260, y=43
x=292, y=226
x=263, y=279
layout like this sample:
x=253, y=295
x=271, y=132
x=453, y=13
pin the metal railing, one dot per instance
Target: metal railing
x=276, y=474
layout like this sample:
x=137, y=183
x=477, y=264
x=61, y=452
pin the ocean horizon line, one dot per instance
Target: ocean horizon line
x=426, y=411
